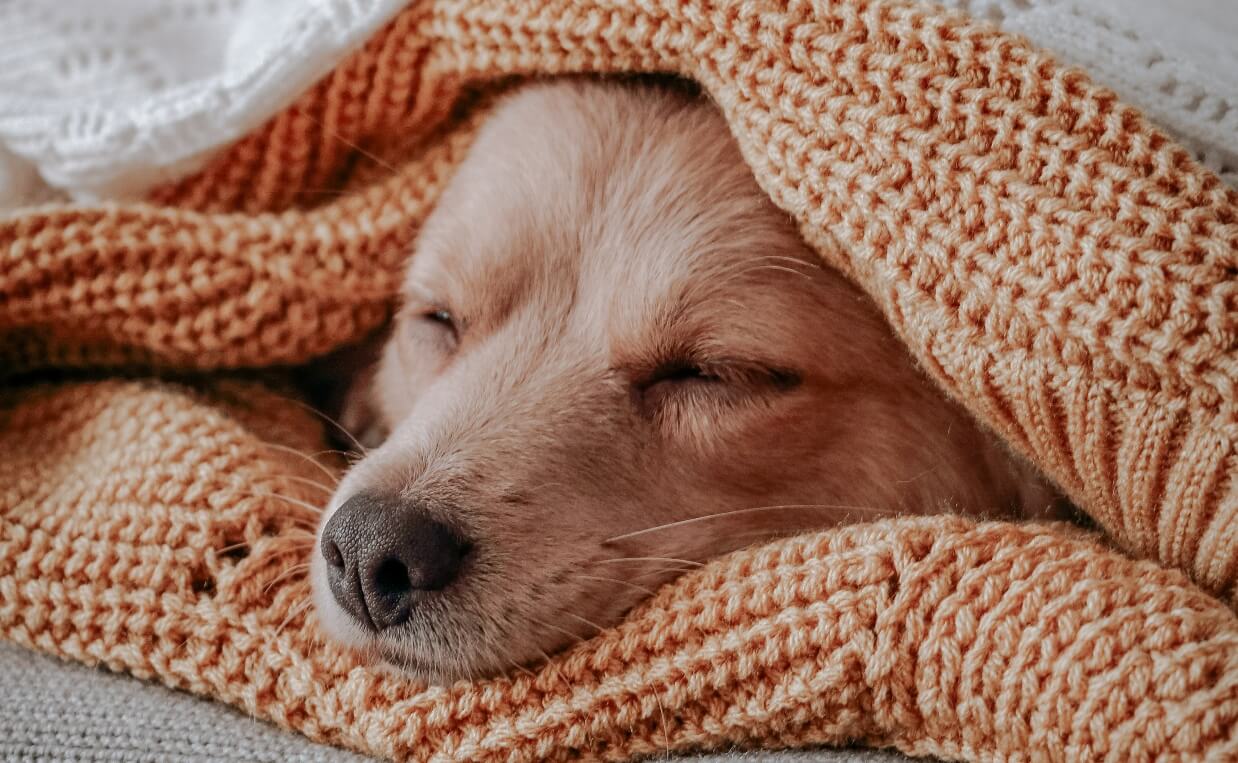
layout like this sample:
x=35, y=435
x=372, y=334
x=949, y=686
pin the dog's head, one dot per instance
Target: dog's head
x=615, y=357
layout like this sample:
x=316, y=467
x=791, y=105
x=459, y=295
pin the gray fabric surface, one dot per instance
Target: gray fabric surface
x=54, y=710
x=804, y=756
x=51, y=710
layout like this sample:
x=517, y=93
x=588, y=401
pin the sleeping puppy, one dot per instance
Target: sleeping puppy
x=615, y=358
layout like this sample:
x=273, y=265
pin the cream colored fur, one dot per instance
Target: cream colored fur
x=615, y=353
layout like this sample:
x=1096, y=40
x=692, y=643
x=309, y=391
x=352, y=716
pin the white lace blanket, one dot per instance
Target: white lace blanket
x=105, y=98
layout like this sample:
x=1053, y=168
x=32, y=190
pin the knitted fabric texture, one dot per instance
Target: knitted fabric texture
x=1056, y=264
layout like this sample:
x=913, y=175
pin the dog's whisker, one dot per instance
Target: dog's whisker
x=550, y=664
x=687, y=562
x=629, y=583
x=294, y=539
x=507, y=657
x=749, y=510
x=666, y=737
x=297, y=530
x=741, y=269
x=333, y=422
x=661, y=571
x=307, y=482
x=293, y=614
x=921, y=475
x=345, y=454
x=662, y=576
x=288, y=498
x=574, y=636
x=293, y=570
x=584, y=620
x=783, y=269
x=307, y=526
x=763, y=266
x=336, y=136
x=293, y=451
x=282, y=552
x=232, y=547
x=810, y=265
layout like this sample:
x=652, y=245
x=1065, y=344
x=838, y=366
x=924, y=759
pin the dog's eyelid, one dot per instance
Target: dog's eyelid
x=440, y=315
x=443, y=320
x=423, y=319
x=418, y=307
x=679, y=370
x=735, y=370
x=728, y=371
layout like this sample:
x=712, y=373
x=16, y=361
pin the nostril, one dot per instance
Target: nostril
x=331, y=552
x=385, y=557
x=391, y=578
x=433, y=554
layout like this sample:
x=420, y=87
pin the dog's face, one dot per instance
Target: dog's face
x=613, y=353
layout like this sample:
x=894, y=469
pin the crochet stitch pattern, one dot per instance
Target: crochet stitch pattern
x=1056, y=264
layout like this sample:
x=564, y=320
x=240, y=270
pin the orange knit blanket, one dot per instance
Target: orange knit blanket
x=1054, y=262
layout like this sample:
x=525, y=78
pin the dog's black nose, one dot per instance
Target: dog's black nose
x=381, y=552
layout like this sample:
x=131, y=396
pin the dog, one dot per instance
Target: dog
x=614, y=358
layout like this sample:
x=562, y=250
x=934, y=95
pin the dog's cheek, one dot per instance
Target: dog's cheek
x=359, y=415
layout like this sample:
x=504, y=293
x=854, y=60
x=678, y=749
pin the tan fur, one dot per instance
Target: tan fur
x=596, y=233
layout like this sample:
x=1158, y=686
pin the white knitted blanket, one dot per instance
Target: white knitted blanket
x=106, y=98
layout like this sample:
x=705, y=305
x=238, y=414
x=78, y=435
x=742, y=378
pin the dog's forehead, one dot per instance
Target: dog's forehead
x=563, y=203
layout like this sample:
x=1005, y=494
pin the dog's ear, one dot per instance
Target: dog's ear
x=341, y=386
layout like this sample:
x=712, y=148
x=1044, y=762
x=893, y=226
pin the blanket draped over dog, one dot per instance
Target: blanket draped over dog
x=1054, y=262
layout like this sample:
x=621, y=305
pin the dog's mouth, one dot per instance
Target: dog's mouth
x=434, y=657
x=484, y=628
x=411, y=665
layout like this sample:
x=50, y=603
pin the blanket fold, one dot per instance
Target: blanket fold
x=1055, y=263
x=156, y=529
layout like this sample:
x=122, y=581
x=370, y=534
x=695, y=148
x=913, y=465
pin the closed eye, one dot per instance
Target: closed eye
x=440, y=317
x=677, y=373
x=723, y=381
x=433, y=327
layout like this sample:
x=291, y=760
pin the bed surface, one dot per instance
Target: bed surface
x=55, y=710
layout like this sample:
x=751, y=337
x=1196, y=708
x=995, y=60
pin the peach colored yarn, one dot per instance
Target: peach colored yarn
x=1058, y=265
